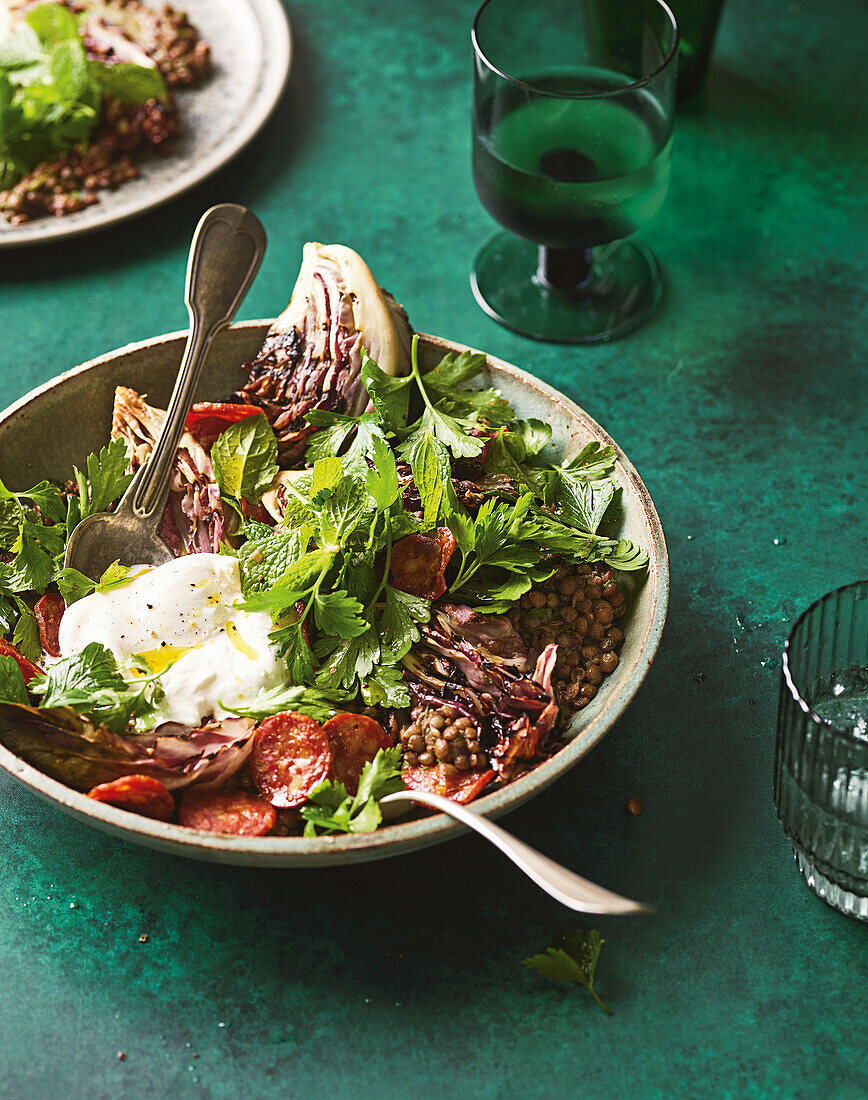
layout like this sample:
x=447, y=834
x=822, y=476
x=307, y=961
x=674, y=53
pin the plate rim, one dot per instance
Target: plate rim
x=402, y=837
x=277, y=46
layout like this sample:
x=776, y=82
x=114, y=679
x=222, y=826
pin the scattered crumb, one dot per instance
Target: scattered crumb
x=121, y=1056
x=634, y=807
x=195, y=1055
x=144, y=937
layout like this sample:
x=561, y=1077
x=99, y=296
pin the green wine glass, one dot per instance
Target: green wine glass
x=572, y=143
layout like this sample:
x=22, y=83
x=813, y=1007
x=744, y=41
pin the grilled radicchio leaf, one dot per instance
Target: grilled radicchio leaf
x=66, y=746
x=479, y=665
x=312, y=355
x=193, y=520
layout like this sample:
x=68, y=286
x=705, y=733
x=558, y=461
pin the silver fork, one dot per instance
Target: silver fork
x=564, y=886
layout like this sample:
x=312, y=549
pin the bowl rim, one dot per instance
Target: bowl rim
x=403, y=836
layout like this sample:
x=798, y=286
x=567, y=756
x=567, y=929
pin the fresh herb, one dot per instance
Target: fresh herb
x=571, y=957
x=91, y=683
x=74, y=585
x=103, y=482
x=12, y=686
x=51, y=92
x=317, y=703
x=26, y=633
x=244, y=457
x=331, y=809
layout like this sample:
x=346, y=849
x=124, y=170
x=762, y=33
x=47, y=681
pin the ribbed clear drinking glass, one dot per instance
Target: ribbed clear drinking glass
x=821, y=766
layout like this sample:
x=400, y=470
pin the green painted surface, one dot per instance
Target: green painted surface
x=740, y=406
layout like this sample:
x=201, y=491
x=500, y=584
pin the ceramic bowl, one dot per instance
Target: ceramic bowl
x=49, y=429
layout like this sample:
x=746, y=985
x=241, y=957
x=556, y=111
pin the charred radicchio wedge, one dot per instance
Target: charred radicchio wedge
x=312, y=355
x=193, y=520
x=68, y=747
x=478, y=664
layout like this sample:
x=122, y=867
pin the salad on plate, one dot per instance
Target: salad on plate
x=383, y=577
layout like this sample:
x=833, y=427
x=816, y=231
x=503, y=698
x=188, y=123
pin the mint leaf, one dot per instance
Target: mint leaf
x=129, y=83
x=429, y=463
x=53, y=23
x=12, y=686
x=74, y=585
x=245, y=459
x=534, y=434
x=572, y=957
x=265, y=557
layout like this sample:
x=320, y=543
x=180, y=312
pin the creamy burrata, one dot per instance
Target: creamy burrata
x=181, y=619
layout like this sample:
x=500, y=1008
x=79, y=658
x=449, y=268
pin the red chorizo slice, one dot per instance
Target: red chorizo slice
x=28, y=668
x=140, y=794
x=419, y=563
x=459, y=786
x=234, y=812
x=354, y=740
x=49, y=611
x=291, y=755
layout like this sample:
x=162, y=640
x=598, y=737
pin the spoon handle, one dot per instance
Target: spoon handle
x=225, y=255
x=564, y=886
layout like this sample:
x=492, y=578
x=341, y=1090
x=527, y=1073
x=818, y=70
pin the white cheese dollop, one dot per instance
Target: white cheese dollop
x=179, y=617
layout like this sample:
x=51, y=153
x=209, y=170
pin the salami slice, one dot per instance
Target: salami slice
x=291, y=755
x=28, y=668
x=140, y=794
x=235, y=812
x=49, y=611
x=354, y=740
x=459, y=786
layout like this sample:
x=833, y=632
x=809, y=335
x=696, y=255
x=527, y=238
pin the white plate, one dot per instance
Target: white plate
x=250, y=52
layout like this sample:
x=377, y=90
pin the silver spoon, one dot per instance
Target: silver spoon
x=225, y=255
x=564, y=886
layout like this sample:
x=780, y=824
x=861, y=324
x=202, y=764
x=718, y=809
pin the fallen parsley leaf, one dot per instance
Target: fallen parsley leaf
x=26, y=633
x=572, y=957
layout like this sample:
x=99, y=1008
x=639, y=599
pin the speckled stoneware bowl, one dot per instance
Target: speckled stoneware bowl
x=48, y=430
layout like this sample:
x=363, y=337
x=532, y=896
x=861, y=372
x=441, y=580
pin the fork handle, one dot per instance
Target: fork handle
x=225, y=254
x=564, y=886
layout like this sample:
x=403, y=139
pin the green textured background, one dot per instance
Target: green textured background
x=740, y=405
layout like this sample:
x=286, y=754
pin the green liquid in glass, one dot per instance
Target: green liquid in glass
x=572, y=173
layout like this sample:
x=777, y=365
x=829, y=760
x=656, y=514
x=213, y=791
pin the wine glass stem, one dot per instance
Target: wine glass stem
x=563, y=269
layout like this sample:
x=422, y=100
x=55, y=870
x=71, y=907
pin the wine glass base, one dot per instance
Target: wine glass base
x=623, y=290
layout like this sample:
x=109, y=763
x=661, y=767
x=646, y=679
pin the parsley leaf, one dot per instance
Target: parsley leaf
x=572, y=957
x=26, y=633
x=91, y=683
x=390, y=396
x=319, y=703
x=74, y=585
x=332, y=809
x=106, y=479
x=398, y=621
x=626, y=557
x=386, y=687
x=244, y=457
x=35, y=547
x=339, y=614
x=12, y=686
